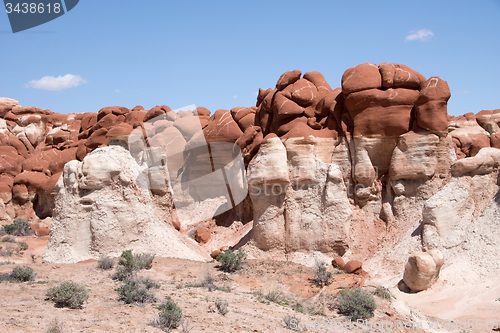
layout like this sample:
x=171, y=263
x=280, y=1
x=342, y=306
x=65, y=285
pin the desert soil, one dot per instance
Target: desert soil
x=25, y=309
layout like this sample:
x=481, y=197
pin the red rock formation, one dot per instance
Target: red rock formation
x=338, y=262
x=202, y=235
x=352, y=266
x=379, y=113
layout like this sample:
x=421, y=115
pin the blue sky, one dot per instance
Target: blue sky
x=218, y=54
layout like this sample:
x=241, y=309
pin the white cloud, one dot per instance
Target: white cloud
x=118, y=91
x=421, y=35
x=56, y=83
x=465, y=92
x=235, y=96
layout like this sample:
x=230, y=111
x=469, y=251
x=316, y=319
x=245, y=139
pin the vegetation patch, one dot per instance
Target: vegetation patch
x=357, y=304
x=221, y=306
x=68, y=295
x=138, y=291
x=129, y=264
x=231, y=261
x=321, y=276
x=169, y=317
x=105, y=263
x=19, y=227
x=383, y=293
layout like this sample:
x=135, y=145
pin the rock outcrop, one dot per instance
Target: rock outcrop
x=373, y=168
x=102, y=209
x=422, y=270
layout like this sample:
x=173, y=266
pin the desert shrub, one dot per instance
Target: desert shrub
x=274, y=296
x=129, y=263
x=298, y=306
x=22, y=274
x=291, y=322
x=68, y=294
x=55, y=326
x=383, y=292
x=321, y=276
x=221, y=306
x=8, y=262
x=231, y=261
x=357, y=304
x=7, y=252
x=138, y=291
x=169, y=317
x=19, y=227
x=208, y=281
x=329, y=300
x=22, y=246
x=144, y=260
x=8, y=239
x=126, y=260
x=105, y=263
x=122, y=274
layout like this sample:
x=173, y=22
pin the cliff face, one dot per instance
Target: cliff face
x=374, y=169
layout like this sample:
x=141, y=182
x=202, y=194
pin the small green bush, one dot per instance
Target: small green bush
x=122, y=274
x=357, y=304
x=8, y=239
x=20, y=227
x=221, y=306
x=68, y=294
x=274, y=296
x=169, y=317
x=23, y=274
x=22, y=246
x=321, y=276
x=231, y=261
x=105, y=263
x=144, y=260
x=9, y=250
x=383, y=292
x=126, y=260
x=129, y=263
x=138, y=291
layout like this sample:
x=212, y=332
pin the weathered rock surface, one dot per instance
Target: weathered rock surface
x=375, y=164
x=102, y=208
x=422, y=269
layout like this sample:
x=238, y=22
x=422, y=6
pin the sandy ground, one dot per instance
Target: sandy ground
x=24, y=308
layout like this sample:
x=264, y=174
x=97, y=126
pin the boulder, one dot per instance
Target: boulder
x=10, y=161
x=203, y=235
x=362, y=77
x=156, y=112
x=431, y=106
x=6, y=105
x=352, y=266
x=288, y=78
x=215, y=253
x=20, y=193
x=422, y=269
x=338, y=262
x=42, y=232
x=222, y=128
